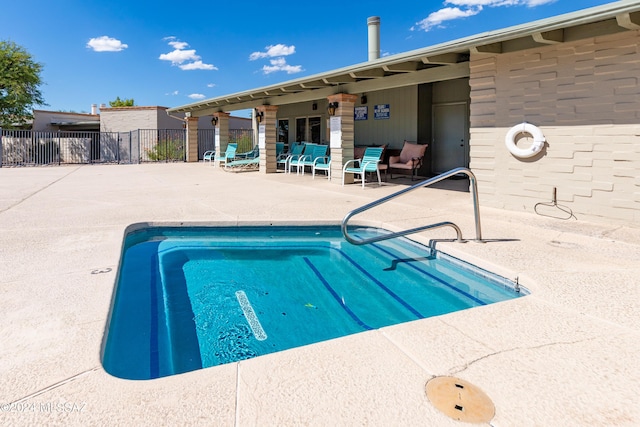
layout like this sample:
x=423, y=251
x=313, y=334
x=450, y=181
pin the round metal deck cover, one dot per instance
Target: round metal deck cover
x=460, y=400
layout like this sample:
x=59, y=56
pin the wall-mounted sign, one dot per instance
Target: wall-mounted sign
x=360, y=113
x=381, y=111
x=262, y=136
x=335, y=124
x=217, y=139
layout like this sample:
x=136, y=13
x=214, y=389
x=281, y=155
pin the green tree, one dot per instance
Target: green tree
x=19, y=82
x=121, y=102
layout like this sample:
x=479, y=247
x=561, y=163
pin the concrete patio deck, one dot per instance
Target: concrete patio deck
x=566, y=355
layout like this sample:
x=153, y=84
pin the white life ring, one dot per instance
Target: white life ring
x=527, y=128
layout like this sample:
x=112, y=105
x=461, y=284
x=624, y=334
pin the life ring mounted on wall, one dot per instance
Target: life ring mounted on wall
x=524, y=128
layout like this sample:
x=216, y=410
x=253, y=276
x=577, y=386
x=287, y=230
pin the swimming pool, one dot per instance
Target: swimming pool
x=188, y=298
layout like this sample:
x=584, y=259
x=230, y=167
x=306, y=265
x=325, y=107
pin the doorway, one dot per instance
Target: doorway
x=308, y=129
x=450, y=142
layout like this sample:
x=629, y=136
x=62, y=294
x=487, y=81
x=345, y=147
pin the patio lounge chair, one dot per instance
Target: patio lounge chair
x=229, y=154
x=297, y=160
x=280, y=154
x=249, y=154
x=243, y=164
x=322, y=164
x=283, y=158
x=410, y=158
x=358, y=152
x=310, y=156
x=245, y=161
x=369, y=163
x=209, y=156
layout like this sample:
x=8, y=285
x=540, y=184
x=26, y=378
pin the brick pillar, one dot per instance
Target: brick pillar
x=341, y=135
x=222, y=134
x=192, y=139
x=267, y=138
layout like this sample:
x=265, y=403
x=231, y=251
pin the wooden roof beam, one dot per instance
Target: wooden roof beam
x=445, y=58
x=373, y=73
x=316, y=84
x=630, y=21
x=403, y=67
x=549, y=37
x=293, y=88
x=335, y=80
x=488, y=48
x=260, y=95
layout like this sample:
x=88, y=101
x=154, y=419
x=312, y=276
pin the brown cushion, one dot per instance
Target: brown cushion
x=412, y=151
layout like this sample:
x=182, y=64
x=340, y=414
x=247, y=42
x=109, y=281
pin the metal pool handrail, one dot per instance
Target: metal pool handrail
x=426, y=183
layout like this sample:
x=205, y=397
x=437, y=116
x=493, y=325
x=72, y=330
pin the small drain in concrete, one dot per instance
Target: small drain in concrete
x=460, y=400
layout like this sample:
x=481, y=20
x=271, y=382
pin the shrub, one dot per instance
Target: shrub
x=170, y=150
x=244, y=141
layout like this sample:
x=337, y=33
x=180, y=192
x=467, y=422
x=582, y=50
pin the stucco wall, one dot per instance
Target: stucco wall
x=166, y=121
x=236, y=123
x=585, y=97
x=401, y=125
x=125, y=119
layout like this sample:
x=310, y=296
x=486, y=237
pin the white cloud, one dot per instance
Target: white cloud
x=466, y=8
x=476, y=3
x=196, y=96
x=280, y=64
x=175, y=92
x=534, y=3
x=197, y=65
x=106, y=44
x=178, y=45
x=211, y=85
x=436, y=18
x=273, y=51
x=186, y=59
x=179, y=56
x=497, y=3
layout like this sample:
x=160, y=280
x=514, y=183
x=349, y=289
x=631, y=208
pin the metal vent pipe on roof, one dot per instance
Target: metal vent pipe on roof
x=373, y=24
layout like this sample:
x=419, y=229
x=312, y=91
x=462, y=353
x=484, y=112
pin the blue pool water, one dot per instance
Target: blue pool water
x=187, y=298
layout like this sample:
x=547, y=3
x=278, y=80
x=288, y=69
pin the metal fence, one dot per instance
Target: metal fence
x=206, y=141
x=242, y=137
x=32, y=148
x=24, y=147
x=160, y=145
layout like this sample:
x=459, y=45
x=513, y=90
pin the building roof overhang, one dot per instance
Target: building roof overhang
x=75, y=123
x=444, y=61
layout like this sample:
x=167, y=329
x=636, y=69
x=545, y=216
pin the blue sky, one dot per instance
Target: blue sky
x=169, y=53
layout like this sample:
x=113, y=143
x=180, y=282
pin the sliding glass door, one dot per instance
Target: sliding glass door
x=309, y=129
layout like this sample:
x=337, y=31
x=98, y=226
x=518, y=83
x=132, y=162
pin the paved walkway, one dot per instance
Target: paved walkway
x=568, y=354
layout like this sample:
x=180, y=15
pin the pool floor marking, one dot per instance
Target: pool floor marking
x=383, y=287
x=426, y=273
x=335, y=295
x=251, y=317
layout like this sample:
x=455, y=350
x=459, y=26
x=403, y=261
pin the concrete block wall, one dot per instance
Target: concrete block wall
x=585, y=97
x=125, y=119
